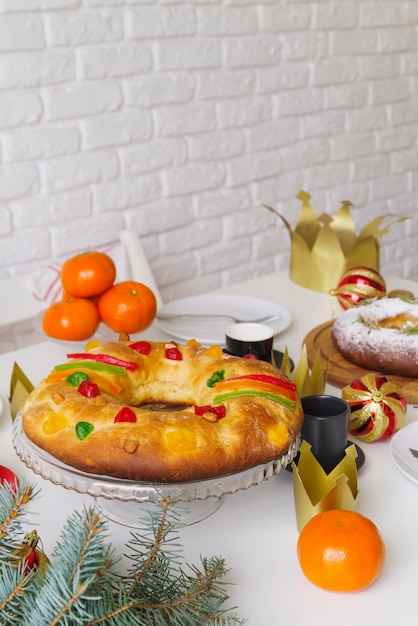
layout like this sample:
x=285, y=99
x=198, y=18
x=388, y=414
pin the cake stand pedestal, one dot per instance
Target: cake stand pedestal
x=135, y=514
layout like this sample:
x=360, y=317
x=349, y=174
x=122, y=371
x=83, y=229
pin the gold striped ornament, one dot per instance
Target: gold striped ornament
x=377, y=407
x=358, y=284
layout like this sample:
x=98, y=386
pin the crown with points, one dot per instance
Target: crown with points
x=308, y=381
x=325, y=247
x=316, y=491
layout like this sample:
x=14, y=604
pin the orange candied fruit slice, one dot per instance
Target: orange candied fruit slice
x=180, y=441
x=93, y=343
x=214, y=351
x=54, y=424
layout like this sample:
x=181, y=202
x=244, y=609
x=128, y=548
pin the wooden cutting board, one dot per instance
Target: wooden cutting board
x=341, y=372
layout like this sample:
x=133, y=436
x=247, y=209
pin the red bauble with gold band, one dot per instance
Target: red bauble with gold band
x=358, y=284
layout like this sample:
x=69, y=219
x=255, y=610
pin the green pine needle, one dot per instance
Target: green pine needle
x=81, y=586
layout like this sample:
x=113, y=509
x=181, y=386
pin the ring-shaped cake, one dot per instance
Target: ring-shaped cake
x=381, y=336
x=163, y=412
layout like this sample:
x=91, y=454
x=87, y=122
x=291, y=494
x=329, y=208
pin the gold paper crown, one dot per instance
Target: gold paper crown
x=325, y=247
x=20, y=388
x=308, y=382
x=316, y=491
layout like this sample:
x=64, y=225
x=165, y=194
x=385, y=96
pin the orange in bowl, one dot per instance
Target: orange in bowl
x=88, y=274
x=75, y=319
x=128, y=307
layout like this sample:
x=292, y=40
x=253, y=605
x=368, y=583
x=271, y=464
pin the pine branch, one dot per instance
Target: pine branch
x=82, y=562
x=81, y=586
x=15, y=586
x=174, y=595
x=12, y=505
x=205, y=583
x=158, y=537
x=93, y=527
x=181, y=605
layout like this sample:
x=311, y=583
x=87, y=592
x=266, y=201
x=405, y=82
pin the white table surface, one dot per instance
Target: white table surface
x=255, y=529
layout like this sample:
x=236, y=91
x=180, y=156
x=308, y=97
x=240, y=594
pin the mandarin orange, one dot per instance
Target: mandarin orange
x=128, y=307
x=341, y=550
x=75, y=319
x=88, y=274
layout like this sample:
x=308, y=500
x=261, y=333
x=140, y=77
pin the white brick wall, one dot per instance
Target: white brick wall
x=181, y=119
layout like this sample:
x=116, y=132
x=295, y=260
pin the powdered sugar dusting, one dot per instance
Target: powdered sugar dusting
x=360, y=339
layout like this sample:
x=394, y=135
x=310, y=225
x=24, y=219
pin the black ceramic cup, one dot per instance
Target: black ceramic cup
x=325, y=427
x=250, y=338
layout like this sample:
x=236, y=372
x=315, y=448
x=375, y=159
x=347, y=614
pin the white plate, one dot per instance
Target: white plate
x=208, y=330
x=403, y=445
x=1, y=405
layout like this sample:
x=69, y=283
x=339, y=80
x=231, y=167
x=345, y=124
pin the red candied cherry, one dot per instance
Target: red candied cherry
x=172, y=352
x=143, y=347
x=88, y=389
x=219, y=411
x=125, y=415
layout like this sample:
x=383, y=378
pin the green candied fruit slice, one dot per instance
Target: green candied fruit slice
x=83, y=430
x=290, y=404
x=91, y=365
x=216, y=378
x=76, y=378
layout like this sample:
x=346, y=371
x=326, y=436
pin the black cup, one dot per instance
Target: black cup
x=325, y=427
x=250, y=338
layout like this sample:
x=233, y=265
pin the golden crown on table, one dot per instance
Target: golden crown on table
x=316, y=491
x=325, y=247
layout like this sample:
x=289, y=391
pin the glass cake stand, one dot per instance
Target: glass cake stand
x=126, y=501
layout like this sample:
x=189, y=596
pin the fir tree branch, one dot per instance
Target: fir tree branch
x=80, y=587
x=18, y=590
x=83, y=563
x=80, y=593
x=93, y=527
x=115, y=613
x=23, y=496
x=205, y=583
x=158, y=536
x=168, y=607
x=66, y=608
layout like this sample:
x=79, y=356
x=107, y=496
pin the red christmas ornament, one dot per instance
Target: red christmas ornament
x=377, y=407
x=358, y=284
x=8, y=478
x=30, y=555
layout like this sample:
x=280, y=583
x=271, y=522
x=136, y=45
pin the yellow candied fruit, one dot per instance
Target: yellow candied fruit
x=278, y=435
x=54, y=424
x=193, y=342
x=93, y=343
x=214, y=351
x=180, y=441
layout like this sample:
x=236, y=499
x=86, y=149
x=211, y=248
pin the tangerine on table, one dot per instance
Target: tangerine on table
x=128, y=307
x=341, y=550
x=88, y=274
x=75, y=319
